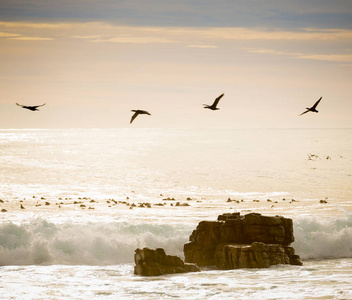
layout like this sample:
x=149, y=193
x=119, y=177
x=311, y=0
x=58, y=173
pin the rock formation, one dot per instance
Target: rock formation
x=231, y=242
x=249, y=241
x=151, y=262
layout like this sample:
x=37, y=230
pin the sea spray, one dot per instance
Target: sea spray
x=318, y=238
x=44, y=243
x=40, y=242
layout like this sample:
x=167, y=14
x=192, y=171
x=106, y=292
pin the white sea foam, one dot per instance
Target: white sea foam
x=41, y=242
x=44, y=243
x=321, y=239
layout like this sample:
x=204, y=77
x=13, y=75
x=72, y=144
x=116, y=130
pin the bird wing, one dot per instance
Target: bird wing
x=305, y=112
x=134, y=116
x=217, y=100
x=316, y=103
x=38, y=105
x=30, y=107
x=143, y=112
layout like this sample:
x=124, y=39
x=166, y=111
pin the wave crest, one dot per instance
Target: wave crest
x=42, y=242
x=322, y=239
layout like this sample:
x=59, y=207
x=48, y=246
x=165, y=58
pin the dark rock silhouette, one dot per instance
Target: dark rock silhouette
x=231, y=242
x=138, y=112
x=32, y=108
x=313, y=108
x=234, y=241
x=213, y=106
x=151, y=262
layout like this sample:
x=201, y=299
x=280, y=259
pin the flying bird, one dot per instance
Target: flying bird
x=313, y=108
x=213, y=106
x=32, y=108
x=138, y=112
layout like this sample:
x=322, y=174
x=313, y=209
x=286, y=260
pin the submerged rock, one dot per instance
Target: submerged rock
x=151, y=262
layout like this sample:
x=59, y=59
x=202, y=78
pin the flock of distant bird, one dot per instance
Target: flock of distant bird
x=144, y=112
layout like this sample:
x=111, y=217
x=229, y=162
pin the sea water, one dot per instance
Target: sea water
x=75, y=204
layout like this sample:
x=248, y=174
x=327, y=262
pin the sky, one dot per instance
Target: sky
x=92, y=62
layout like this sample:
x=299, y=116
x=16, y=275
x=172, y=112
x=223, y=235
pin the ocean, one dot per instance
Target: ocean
x=75, y=204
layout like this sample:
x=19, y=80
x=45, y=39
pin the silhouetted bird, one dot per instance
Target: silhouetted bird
x=138, y=112
x=313, y=108
x=32, y=108
x=213, y=106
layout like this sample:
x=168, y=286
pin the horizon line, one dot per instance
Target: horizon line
x=178, y=128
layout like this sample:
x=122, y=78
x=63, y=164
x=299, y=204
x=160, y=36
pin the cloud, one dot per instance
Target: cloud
x=203, y=46
x=31, y=38
x=343, y=58
x=35, y=25
x=308, y=43
x=239, y=33
x=136, y=40
x=7, y=35
x=106, y=32
x=23, y=31
x=272, y=51
x=185, y=13
x=87, y=37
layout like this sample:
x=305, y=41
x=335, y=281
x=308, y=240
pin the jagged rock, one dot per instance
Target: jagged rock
x=232, y=242
x=236, y=241
x=256, y=255
x=151, y=262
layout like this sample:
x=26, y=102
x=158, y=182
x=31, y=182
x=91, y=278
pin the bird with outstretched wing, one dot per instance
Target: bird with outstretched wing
x=138, y=112
x=313, y=108
x=214, y=105
x=32, y=108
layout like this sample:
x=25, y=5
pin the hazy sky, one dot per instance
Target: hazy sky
x=92, y=61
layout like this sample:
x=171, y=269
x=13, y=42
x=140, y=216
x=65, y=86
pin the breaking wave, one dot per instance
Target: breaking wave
x=323, y=239
x=44, y=243
x=40, y=242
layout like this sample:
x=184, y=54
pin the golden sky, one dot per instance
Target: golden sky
x=92, y=69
